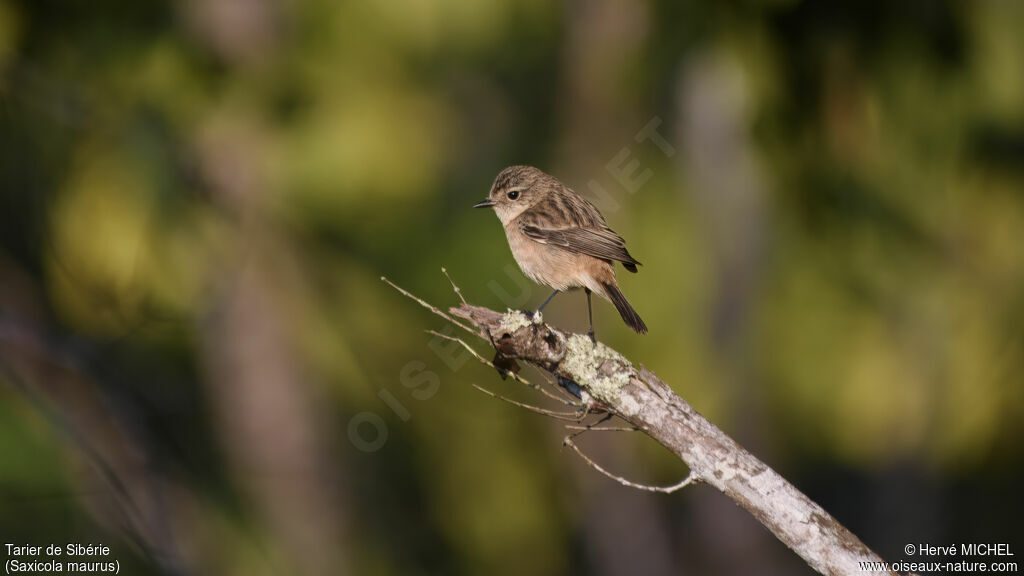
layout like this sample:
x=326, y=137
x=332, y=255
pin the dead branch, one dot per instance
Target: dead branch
x=608, y=382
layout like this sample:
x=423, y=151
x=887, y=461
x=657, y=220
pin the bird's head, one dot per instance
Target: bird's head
x=514, y=190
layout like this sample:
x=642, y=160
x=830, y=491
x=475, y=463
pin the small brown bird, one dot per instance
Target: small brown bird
x=560, y=239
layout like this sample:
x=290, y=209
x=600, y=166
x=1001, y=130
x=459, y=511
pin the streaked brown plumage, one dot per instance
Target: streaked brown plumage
x=560, y=239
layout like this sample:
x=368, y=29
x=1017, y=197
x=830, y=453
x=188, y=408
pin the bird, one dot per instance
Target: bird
x=561, y=240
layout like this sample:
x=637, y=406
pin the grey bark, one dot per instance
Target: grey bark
x=610, y=382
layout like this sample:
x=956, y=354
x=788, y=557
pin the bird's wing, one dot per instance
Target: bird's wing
x=597, y=243
x=571, y=222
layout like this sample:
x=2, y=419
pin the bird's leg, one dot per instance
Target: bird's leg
x=545, y=303
x=590, y=315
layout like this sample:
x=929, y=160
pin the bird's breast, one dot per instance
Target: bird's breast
x=545, y=264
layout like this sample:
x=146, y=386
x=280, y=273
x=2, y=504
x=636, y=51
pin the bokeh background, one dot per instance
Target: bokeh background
x=200, y=367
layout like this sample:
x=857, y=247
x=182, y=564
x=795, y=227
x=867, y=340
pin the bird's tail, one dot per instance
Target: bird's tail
x=629, y=316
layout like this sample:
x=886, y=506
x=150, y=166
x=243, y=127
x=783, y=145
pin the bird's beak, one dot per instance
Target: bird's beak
x=487, y=203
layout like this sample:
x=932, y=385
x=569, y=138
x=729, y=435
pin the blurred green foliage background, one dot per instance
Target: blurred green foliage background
x=200, y=367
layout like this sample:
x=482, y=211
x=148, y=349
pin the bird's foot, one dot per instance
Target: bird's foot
x=593, y=340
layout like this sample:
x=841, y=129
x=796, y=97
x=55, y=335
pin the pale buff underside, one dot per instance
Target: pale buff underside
x=556, y=267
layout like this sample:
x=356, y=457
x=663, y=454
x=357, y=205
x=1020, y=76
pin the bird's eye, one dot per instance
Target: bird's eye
x=513, y=195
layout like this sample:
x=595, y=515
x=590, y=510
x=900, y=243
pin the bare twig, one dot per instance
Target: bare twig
x=570, y=416
x=458, y=291
x=690, y=478
x=580, y=429
x=433, y=309
x=602, y=428
x=598, y=428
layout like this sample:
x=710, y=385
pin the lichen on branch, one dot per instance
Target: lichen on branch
x=596, y=368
